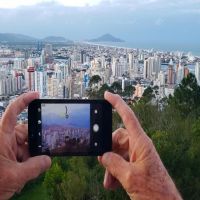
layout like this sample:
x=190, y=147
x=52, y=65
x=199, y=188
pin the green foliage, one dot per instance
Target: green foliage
x=116, y=88
x=53, y=180
x=175, y=131
x=73, y=186
x=186, y=97
x=81, y=179
x=102, y=90
x=35, y=192
x=128, y=91
x=180, y=153
x=94, y=93
x=147, y=95
x=94, y=80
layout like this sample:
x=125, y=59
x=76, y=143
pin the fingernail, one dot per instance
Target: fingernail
x=47, y=162
x=107, y=93
x=106, y=158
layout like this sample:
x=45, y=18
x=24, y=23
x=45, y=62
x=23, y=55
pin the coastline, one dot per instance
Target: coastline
x=132, y=46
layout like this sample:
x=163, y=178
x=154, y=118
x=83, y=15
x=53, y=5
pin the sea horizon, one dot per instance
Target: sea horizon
x=195, y=51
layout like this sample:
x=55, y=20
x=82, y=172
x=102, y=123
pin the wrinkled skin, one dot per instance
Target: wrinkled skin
x=134, y=163
x=16, y=165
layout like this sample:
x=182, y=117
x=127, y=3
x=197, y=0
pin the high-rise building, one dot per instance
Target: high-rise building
x=19, y=82
x=180, y=73
x=48, y=53
x=170, y=73
x=139, y=90
x=96, y=67
x=39, y=46
x=161, y=78
x=107, y=74
x=146, y=72
x=156, y=65
x=197, y=72
x=2, y=86
x=83, y=57
x=52, y=86
x=18, y=63
x=30, y=78
x=42, y=58
x=41, y=82
x=133, y=65
x=119, y=66
x=152, y=67
x=31, y=62
x=48, y=50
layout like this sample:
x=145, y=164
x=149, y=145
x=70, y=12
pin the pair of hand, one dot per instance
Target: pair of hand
x=134, y=164
x=16, y=165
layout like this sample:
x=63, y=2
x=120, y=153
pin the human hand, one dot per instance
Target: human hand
x=135, y=163
x=16, y=166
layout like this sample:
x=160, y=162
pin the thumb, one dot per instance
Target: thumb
x=116, y=166
x=33, y=167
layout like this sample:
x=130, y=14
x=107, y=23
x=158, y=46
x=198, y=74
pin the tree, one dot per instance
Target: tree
x=53, y=180
x=128, y=91
x=116, y=88
x=92, y=92
x=74, y=186
x=102, y=90
x=186, y=97
x=94, y=80
x=147, y=95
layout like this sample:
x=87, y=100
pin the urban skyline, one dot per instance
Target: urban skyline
x=65, y=71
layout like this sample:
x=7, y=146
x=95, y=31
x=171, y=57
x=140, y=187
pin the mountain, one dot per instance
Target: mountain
x=55, y=39
x=20, y=38
x=13, y=37
x=106, y=38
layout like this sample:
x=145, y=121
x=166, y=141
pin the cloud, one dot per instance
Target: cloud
x=68, y=3
x=140, y=21
x=14, y=4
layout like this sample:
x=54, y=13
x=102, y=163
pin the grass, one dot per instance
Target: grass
x=35, y=192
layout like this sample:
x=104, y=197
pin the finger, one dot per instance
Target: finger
x=110, y=182
x=117, y=167
x=23, y=153
x=14, y=109
x=120, y=140
x=128, y=117
x=33, y=167
x=21, y=132
x=120, y=143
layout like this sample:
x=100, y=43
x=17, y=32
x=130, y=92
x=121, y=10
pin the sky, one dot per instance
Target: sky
x=153, y=23
x=79, y=115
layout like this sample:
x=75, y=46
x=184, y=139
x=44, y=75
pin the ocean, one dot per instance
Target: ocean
x=194, y=50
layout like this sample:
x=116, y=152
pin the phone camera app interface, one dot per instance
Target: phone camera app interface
x=65, y=128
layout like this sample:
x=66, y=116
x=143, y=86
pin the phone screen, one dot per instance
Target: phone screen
x=65, y=128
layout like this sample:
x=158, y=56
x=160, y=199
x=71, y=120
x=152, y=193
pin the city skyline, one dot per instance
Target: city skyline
x=150, y=23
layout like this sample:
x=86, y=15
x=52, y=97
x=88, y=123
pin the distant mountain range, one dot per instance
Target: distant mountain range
x=20, y=38
x=55, y=39
x=106, y=38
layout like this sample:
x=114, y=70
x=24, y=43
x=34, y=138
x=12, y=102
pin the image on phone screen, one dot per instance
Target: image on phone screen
x=65, y=128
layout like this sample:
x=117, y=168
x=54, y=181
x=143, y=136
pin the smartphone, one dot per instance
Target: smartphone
x=69, y=127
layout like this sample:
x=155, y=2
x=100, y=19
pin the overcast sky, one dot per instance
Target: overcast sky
x=171, y=22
